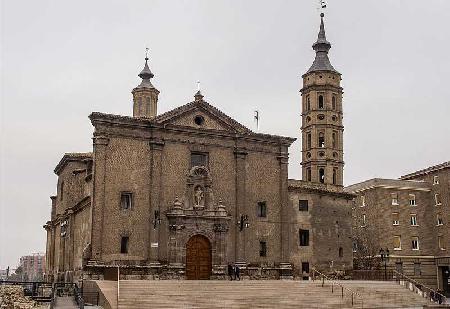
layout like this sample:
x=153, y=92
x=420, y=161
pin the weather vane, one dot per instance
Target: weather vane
x=198, y=85
x=256, y=117
x=146, y=53
x=322, y=6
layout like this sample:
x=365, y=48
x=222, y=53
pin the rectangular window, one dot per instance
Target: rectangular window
x=308, y=103
x=415, y=243
x=305, y=267
x=308, y=140
x=397, y=243
x=304, y=237
x=435, y=180
x=124, y=244
x=199, y=159
x=414, y=219
x=412, y=200
x=395, y=218
x=126, y=199
x=437, y=199
x=441, y=243
x=303, y=205
x=417, y=270
x=262, y=248
x=261, y=210
x=439, y=220
x=394, y=198
x=363, y=200
x=363, y=220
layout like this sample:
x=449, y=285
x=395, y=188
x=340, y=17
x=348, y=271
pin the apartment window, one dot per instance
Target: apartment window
x=333, y=102
x=412, y=200
x=363, y=200
x=395, y=218
x=334, y=176
x=305, y=267
x=437, y=199
x=124, y=244
x=322, y=175
x=199, y=159
x=394, y=198
x=304, y=237
x=308, y=140
x=308, y=174
x=363, y=223
x=308, y=103
x=261, y=209
x=417, y=270
x=435, y=180
x=321, y=140
x=303, y=205
x=439, y=220
x=334, y=139
x=441, y=243
x=414, y=219
x=321, y=103
x=415, y=243
x=397, y=243
x=126, y=199
x=262, y=248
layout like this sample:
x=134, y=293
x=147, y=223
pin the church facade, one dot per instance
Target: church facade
x=184, y=193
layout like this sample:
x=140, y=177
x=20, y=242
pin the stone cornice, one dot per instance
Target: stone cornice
x=82, y=204
x=71, y=157
x=321, y=189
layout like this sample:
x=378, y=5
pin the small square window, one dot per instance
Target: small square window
x=124, y=244
x=435, y=180
x=437, y=199
x=261, y=210
x=304, y=237
x=262, y=248
x=412, y=200
x=199, y=159
x=394, y=198
x=303, y=205
x=126, y=199
x=397, y=243
x=395, y=218
x=415, y=243
x=439, y=219
x=413, y=220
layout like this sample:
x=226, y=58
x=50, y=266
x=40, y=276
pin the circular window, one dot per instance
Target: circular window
x=308, y=155
x=308, y=119
x=321, y=117
x=320, y=76
x=321, y=154
x=334, y=118
x=199, y=120
x=335, y=154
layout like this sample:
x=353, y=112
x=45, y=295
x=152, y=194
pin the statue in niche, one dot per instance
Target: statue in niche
x=199, y=196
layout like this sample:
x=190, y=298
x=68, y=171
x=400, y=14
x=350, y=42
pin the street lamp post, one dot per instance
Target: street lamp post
x=384, y=258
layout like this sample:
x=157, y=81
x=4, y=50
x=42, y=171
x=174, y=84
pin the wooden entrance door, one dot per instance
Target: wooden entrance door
x=198, y=258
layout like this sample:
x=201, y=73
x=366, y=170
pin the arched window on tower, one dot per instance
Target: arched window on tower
x=308, y=174
x=308, y=103
x=321, y=140
x=321, y=101
x=334, y=176
x=308, y=140
x=147, y=106
x=61, y=191
x=334, y=140
x=322, y=175
x=333, y=102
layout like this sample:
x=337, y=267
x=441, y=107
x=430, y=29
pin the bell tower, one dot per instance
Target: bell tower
x=322, y=128
x=145, y=96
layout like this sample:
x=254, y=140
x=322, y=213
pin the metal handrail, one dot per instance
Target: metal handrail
x=432, y=293
x=334, y=282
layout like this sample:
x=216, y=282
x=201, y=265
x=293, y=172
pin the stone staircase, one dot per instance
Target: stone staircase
x=263, y=294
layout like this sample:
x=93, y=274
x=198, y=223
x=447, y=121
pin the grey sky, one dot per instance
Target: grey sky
x=61, y=60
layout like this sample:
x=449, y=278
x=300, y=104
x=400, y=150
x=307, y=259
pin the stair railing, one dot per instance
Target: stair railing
x=419, y=288
x=336, y=287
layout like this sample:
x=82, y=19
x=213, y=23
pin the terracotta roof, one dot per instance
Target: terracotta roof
x=426, y=171
x=72, y=156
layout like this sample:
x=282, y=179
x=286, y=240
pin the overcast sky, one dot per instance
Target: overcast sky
x=61, y=60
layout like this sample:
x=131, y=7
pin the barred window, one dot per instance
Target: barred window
x=126, y=199
x=304, y=237
x=303, y=205
x=261, y=209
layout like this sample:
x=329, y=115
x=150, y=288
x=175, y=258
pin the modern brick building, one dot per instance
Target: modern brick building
x=183, y=193
x=33, y=267
x=409, y=217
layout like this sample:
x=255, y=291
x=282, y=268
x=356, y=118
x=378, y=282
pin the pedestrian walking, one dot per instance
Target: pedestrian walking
x=230, y=271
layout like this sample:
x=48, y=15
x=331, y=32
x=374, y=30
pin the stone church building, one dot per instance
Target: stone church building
x=183, y=193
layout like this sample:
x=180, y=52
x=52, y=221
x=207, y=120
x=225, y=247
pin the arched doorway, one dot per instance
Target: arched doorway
x=198, y=258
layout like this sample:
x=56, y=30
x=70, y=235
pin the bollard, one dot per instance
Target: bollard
x=352, y=299
x=342, y=291
x=332, y=288
x=323, y=280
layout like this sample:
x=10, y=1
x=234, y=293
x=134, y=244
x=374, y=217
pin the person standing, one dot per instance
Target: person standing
x=237, y=273
x=230, y=271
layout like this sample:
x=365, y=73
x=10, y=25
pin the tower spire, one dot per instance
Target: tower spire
x=321, y=47
x=145, y=96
